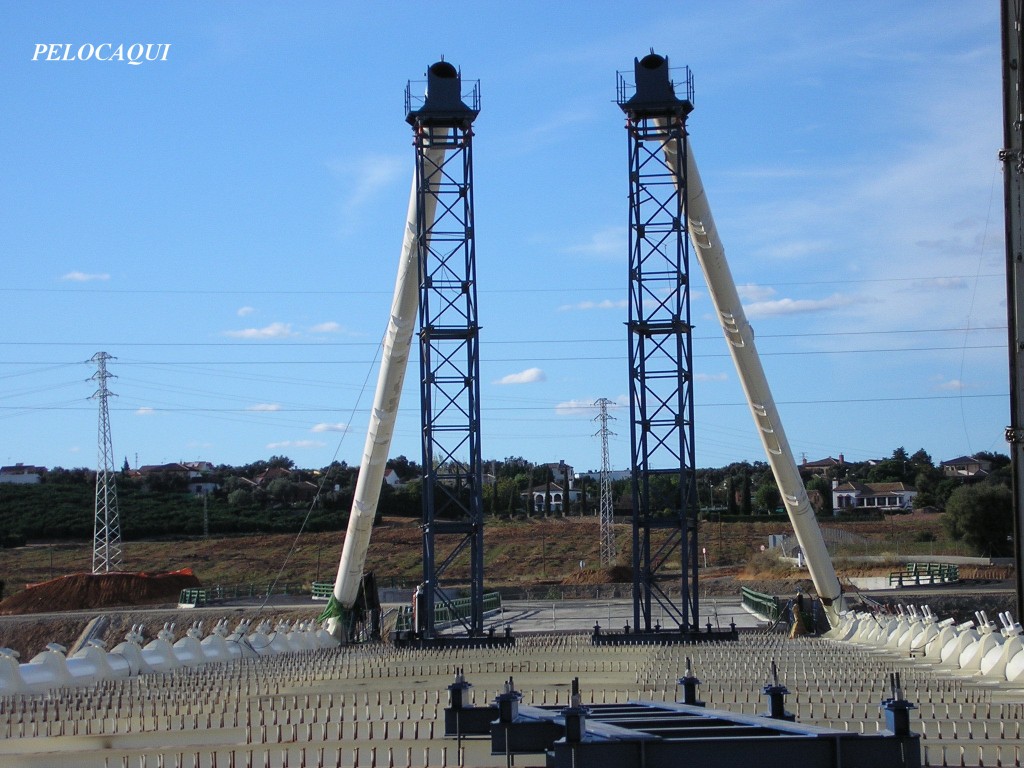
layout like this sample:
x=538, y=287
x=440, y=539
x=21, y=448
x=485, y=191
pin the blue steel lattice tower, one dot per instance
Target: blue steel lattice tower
x=660, y=350
x=449, y=347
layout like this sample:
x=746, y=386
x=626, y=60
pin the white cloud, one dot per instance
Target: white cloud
x=328, y=327
x=272, y=331
x=587, y=407
x=364, y=178
x=84, y=277
x=588, y=305
x=244, y=311
x=751, y=292
x=325, y=427
x=529, y=376
x=941, y=283
x=576, y=408
x=796, y=306
x=953, y=385
x=264, y=407
x=144, y=411
x=711, y=377
x=294, y=444
x=610, y=241
x=797, y=249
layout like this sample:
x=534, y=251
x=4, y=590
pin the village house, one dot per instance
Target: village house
x=301, y=490
x=966, y=467
x=559, y=497
x=854, y=496
x=22, y=474
x=193, y=473
x=826, y=467
x=391, y=478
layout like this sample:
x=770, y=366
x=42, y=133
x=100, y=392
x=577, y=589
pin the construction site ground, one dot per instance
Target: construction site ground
x=378, y=705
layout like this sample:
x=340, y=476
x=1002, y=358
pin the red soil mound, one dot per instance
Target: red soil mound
x=99, y=590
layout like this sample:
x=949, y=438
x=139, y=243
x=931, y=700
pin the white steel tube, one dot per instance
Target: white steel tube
x=739, y=336
x=394, y=360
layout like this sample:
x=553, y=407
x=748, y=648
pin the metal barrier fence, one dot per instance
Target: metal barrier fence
x=237, y=591
x=322, y=590
x=761, y=604
x=443, y=614
x=195, y=597
x=925, y=573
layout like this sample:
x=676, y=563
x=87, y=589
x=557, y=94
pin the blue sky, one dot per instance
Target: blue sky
x=227, y=223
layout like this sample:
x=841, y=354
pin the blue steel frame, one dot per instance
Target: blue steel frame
x=449, y=361
x=660, y=356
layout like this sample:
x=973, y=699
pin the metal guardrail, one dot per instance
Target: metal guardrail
x=322, y=590
x=198, y=597
x=459, y=609
x=761, y=604
x=194, y=597
x=925, y=573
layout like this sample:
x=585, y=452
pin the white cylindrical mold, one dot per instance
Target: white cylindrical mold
x=48, y=669
x=11, y=681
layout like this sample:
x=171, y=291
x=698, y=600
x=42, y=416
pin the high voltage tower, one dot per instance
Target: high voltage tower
x=106, y=544
x=608, y=551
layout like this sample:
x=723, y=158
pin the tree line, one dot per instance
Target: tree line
x=277, y=496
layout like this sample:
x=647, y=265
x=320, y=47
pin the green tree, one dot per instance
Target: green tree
x=768, y=497
x=982, y=516
x=824, y=488
x=405, y=469
x=239, y=498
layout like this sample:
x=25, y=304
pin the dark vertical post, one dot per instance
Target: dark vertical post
x=1012, y=156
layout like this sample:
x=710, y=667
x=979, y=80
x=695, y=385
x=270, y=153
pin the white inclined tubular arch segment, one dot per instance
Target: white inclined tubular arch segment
x=740, y=337
x=394, y=361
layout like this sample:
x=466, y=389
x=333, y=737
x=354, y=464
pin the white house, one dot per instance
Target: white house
x=558, y=496
x=22, y=474
x=852, y=496
x=613, y=475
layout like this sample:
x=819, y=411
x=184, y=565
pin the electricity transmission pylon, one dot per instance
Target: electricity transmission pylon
x=106, y=543
x=608, y=550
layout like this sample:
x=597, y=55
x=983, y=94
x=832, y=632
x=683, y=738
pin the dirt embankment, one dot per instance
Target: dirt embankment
x=28, y=634
x=85, y=591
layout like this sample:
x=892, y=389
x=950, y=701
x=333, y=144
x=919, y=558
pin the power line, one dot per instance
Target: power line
x=271, y=344
x=525, y=290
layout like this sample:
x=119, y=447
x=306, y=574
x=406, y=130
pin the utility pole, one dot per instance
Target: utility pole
x=608, y=550
x=106, y=545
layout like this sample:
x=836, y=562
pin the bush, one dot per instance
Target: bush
x=982, y=515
